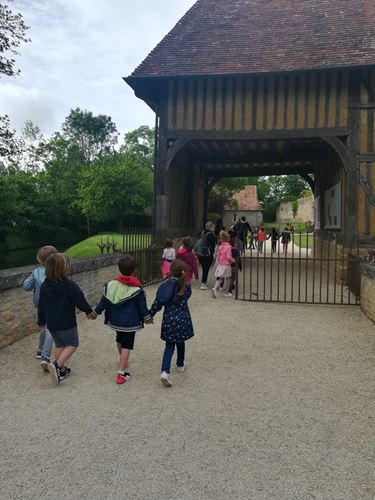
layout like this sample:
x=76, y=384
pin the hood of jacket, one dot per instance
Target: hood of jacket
x=55, y=289
x=116, y=291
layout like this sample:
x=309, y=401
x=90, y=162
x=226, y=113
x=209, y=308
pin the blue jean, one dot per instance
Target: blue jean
x=45, y=343
x=168, y=353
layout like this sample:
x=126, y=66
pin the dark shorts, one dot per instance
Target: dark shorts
x=126, y=339
x=65, y=338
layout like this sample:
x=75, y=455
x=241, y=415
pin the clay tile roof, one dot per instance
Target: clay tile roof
x=247, y=199
x=257, y=36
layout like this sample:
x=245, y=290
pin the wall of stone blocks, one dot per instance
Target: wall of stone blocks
x=17, y=311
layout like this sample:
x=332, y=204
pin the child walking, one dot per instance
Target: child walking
x=224, y=260
x=33, y=283
x=59, y=298
x=124, y=303
x=262, y=237
x=187, y=255
x=169, y=255
x=177, y=326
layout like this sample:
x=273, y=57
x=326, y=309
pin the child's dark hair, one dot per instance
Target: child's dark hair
x=127, y=265
x=44, y=252
x=177, y=270
x=57, y=267
x=169, y=244
x=188, y=243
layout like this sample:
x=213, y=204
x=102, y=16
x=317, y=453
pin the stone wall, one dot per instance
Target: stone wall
x=305, y=211
x=368, y=289
x=17, y=311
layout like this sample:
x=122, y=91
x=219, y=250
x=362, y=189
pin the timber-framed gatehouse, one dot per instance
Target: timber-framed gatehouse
x=266, y=87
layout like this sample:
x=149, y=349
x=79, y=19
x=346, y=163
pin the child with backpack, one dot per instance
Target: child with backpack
x=187, y=255
x=169, y=255
x=205, y=250
x=177, y=326
x=237, y=262
x=126, y=312
x=33, y=283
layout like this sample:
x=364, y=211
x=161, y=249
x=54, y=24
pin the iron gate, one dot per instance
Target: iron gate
x=304, y=269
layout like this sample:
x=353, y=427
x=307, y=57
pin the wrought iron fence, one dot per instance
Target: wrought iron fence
x=147, y=248
x=304, y=269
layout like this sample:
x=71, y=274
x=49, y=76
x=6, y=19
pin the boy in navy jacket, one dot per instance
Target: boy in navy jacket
x=124, y=303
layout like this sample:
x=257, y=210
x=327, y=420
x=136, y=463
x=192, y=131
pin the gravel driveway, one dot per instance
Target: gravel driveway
x=277, y=402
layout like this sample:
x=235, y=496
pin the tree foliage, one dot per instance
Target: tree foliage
x=12, y=34
x=95, y=136
x=222, y=193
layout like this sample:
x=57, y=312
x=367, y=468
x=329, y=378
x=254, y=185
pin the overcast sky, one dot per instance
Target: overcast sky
x=79, y=53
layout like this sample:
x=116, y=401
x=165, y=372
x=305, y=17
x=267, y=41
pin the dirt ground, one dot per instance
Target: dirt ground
x=277, y=402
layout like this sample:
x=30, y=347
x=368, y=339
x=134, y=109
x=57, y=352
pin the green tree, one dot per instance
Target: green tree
x=115, y=187
x=95, y=136
x=273, y=190
x=12, y=34
x=222, y=193
x=139, y=143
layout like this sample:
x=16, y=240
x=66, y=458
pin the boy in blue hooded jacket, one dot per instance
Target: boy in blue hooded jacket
x=126, y=312
x=33, y=283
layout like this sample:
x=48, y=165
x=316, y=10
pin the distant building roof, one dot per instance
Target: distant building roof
x=247, y=200
x=223, y=37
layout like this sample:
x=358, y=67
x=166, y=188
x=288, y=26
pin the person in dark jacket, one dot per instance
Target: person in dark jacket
x=58, y=300
x=124, y=303
x=274, y=238
x=206, y=252
x=177, y=326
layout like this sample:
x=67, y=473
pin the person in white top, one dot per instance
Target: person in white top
x=169, y=255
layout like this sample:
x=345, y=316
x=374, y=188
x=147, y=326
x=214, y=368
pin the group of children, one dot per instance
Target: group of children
x=125, y=311
x=124, y=301
x=226, y=256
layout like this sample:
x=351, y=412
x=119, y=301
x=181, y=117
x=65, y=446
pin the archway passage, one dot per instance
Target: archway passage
x=200, y=163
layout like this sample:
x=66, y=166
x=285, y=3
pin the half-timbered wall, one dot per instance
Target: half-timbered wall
x=295, y=101
x=365, y=110
x=332, y=103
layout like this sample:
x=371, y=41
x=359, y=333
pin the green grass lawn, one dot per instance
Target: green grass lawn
x=89, y=247
x=304, y=241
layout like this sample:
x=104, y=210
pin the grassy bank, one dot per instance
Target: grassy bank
x=89, y=246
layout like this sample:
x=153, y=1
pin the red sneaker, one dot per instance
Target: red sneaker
x=120, y=379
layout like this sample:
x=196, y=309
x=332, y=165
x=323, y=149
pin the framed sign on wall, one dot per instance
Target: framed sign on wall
x=332, y=207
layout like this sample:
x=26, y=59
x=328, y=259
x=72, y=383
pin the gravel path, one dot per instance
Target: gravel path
x=277, y=402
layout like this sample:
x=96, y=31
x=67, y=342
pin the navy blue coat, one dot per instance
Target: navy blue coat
x=176, y=325
x=125, y=307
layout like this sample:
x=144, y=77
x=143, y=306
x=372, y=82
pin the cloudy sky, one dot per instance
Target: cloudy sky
x=79, y=53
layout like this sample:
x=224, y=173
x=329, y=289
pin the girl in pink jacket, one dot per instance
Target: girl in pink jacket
x=224, y=260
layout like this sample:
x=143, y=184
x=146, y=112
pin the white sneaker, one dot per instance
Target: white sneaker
x=180, y=369
x=214, y=293
x=166, y=379
x=228, y=294
x=221, y=289
x=204, y=286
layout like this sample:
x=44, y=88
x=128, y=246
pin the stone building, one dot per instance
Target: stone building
x=247, y=205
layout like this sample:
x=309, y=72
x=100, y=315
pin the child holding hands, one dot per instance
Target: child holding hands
x=177, y=326
x=33, y=283
x=124, y=303
x=58, y=300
